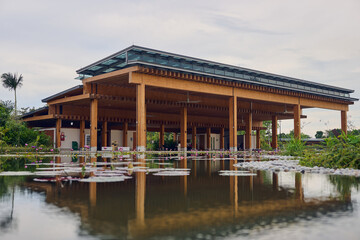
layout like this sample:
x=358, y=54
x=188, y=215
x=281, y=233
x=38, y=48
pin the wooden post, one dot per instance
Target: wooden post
x=233, y=123
x=208, y=138
x=193, y=136
x=274, y=143
x=183, y=128
x=297, y=131
x=82, y=133
x=104, y=134
x=93, y=124
x=258, y=140
x=174, y=136
x=162, y=137
x=248, y=131
x=344, y=121
x=58, y=132
x=140, y=118
x=125, y=134
x=222, y=141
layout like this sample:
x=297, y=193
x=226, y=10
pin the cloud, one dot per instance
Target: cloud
x=47, y=41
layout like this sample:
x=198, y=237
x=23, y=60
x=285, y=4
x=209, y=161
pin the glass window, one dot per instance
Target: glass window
x=208, y=69
x=287, y=84
x=229, y=74
x=174, y=63
x=108, y=62
x=219, y=71
x=197, y=67
x=186, y=64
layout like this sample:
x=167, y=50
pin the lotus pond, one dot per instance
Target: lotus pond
x=172, y=197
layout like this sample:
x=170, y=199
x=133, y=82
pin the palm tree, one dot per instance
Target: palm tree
x=12, y=82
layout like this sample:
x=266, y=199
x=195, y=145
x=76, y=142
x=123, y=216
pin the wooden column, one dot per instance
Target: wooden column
x=82, y=133
x=208, y=138
x=297, y=112
x=248, y=131
x=93, y=124
x=183, y=128
x=222, y=141
x=125, y=134
x=233, y=123
x=58, y=132
x=104, y=134
x=140, y=118
x=162, y=133
x=274, y=142
x=193, y=137
x=258, y=140
x=344, y=121
x=174, y=136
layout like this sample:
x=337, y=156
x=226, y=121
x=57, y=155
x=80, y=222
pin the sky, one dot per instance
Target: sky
x=47, y=41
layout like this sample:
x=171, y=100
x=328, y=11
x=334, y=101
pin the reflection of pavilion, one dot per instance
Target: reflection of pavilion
x=148, y=206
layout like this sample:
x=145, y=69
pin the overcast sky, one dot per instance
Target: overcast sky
x=47, y=41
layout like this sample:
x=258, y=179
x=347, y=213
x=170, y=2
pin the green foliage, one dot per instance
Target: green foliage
x=152, y=141
x=295, y=147
x=339, y=152
x=16, y=133
x=319, y=134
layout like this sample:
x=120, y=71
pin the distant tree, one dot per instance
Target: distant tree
x=12, y=82
x=319, y=134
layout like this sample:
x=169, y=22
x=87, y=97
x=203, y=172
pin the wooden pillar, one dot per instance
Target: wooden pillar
x=93, y=124
x=222, y=141
x=193, y=137
x=82, y=133
x=344, y=121
x=104, y=134
x=58, y=132
x=274, y=143
x=297, y=112
x=140, y=118
x=248, y=131
x=125, y=134
x=161, y=138
x=174, y=136
x=140, y=192
x=208, y=138
x=233, y=123
x=258, y=140
x=183, y=128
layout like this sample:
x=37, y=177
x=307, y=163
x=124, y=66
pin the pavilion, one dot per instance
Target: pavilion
x=140, y=89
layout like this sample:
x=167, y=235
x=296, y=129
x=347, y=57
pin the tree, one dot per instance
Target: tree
x=12, y=82
x=319, y=134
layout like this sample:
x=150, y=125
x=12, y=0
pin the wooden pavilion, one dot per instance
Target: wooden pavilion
x=144, y=89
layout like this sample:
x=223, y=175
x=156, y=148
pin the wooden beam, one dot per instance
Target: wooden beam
x=344, y=122
x=274, y=142
x=222, y=140
x=104, y=134
x=208, y=138
x=110, y=75
x=125, y=134
x=297, y=126
x=140, y=118
x=38, y=118
x=93, y=124
x=70, y=99
x=248, y=131
x=82, y=133
x=162, y=136
x=233, y=123
x=58, y=133
x=183, y=129
x=193, y=137
x=258, y=139
x=208, y=88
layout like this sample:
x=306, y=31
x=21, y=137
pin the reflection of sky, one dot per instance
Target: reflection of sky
x=37, y=220
x=314, y=185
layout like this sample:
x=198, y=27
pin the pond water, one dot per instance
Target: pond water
x=200, y=202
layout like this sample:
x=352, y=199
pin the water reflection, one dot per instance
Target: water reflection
x=200, y=205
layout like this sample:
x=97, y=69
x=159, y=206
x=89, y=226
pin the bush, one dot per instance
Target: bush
x=295, y=147
x=339, y=152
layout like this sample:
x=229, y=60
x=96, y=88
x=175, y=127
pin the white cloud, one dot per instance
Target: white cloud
x=47, y=41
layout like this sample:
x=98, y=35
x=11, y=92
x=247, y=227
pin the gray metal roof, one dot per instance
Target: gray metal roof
x=61, y=93
x=35, y=111
x=136, y=55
